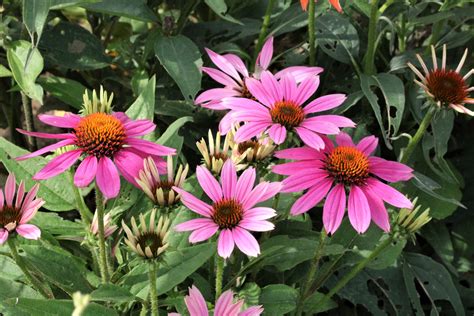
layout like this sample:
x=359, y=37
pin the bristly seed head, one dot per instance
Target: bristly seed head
x=100, y=135
x=287, y=113
x=348, y=165
x=447, y=86
x=10, y=216
x=227, y=213
x=242, y=147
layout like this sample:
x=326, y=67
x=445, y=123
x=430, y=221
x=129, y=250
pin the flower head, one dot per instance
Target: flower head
x=446, y=87
x=148, y=241
x=101, y=104
x=225, y=305
x=232, y=212
x=341, y=169
x=232, y=73
x=109, y=143
x=158, y=188
x=109, y=227
x=334, y=3
x=16, y=212
x=253, y=150
x=279, y=107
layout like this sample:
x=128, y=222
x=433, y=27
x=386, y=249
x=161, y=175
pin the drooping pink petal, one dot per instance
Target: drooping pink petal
x=252, y=311
x=325, y=103
x=46, y=135
x=249, y=130
x=28, y=231
x=148, y=147
x=391, y=171
x=300, y=153
x=245, y=183
x=289, y=87
x=196, y=303
x=226, y=123
x=202, y=234
x=243, y=104
x=297, y=166
x=259, y=213
x=271, y=86
x=139, y=127
x=193, y=203
x=306, y=89
x=368, y=145
x=246, y=242
x=333, y=210
x=209, y=184
x=303, y=180
x=86, y=171
x=67, y=121
x=319, y=125
x=388, y=194
x=224, y=302
x=228, y=179
x=58, y=165
x=257, y=89
x=310, y=138
x=338, y=120
x=121, y=116
x=223, y=64
x=265, y=56
x=3, y=236
x=193, y=224
x=343, y=139
x=10, y=187
x=299, y=73
x=20, y=194
x=47, y=149
x=262, y=192
x=256, y=226
x=277, y=133
x=225, y=243
x=312, y=197
x=28, y=212
x=238, y=64
x=216, y=94
x=358, y=209
x=378, y=212
x=30, y=196
x=220, y=77
x=129, y=164
x=107, y=178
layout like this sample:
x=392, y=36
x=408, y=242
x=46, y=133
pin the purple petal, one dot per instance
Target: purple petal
x=343, y=139
x=368, y=145
x=325, y=103
x=139, y=127
x=86, y=171
x=58, y=165
x=378, y=212
x=333, y=210
x=46, y=149
x=67, y=121
x=28, y=231
x=193, y=224
x=391, y=171
x=202, y=234
x=246, y=242
x=358, y=210
x=310, y=138
x=193, y=203
x=10, y=188
x=388, y=194
x=107, y=178
x=148, y=147
x=228, y=179
x=209, y=184
x=265, y=56
x=312, y=197
x=245, y=184
x=277, y=133
x=3, y=236
x=256, y=226
x=220, y=77
x=306, y=89
x=225, y=243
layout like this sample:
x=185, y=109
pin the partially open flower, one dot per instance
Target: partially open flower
x=160, y=189
x=214, y=156
x=255, y=149
x=411, y=220
x=148, y=241
x=447, y=87
x=109, y=227
x=14, y=215
x=101, y=104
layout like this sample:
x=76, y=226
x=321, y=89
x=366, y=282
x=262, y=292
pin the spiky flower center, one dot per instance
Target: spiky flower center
x=9, y=217
x=287, y=113
x=219, y=156
x=447, y=86
x=245, y=93
x=150, y=239
x=227, y=213
x=242, y=147
x=165, y=185
x=100, y=135
x=348, y=165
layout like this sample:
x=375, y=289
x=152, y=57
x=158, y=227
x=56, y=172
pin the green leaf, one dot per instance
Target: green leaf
x=434, y=280
x=312, y=305
x=9, y=268
x=37, y=307
x=337, y=37
x=144, y=105
x=35, y=13
x=71, y=46
x=112, y=293
x=58, y=267
x=67, y=90
x=57, y=192
x=182, y=60
x=10, y=289
x=220, y=8
x=278, y=299
x=136, y=9
x=56, y=225
x=442, y=126
x=61, y=4
x=26, y=63
x=172, y=130
x=4, y=72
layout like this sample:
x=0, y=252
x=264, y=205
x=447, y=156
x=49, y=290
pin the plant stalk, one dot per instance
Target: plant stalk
x=418, y=135
x=86, y=214
x=219, y=275
x=369, y=66
x=264, y=29
x=311, y=273
x=153, y=291
x=311, y=33
x=21, y=264
x=28, y=112
x=103, y=267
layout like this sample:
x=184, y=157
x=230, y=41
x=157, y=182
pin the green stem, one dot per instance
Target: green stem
x=311, y=273
x=86, y=214
x=369, y=67
x=355, y=270
x=153, y=292
x=183, y=18
x=104, y=271
x=21, y=264
x=219, y=275
x=311, y=33
x=418, y=135
x=264, y=29
x=28, y=112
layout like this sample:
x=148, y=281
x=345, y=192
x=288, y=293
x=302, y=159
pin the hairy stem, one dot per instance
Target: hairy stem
x=28, y=112
x=369, y=66
x=104, y=271
x=86, y=214
x=219, y=275
x=153, y=291
x=311, y=33
x=264, y=29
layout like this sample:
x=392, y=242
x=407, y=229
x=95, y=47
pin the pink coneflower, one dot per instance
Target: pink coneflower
x=340, y=169
x=109, y=227
x=225, y=305
x=334, y=3
x=232, y=211
x=14, y=215
x=446, y=87
x=232, y=73
x=280, y=108
x=108, y=141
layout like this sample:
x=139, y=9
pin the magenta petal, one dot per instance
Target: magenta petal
x=148, y=147
x=28, y=231
x=250, y=130
x=303, y=180
x=338, y=120
x=225, y=243
x=139, y=127
x=256, y=226
x=196, y=303
x=107, y=178
x=228, y=179
x=245, y=183
x=224, y=304
x=306, y=89
x=225, y=125
x=262, y=192
x=324, y=103
x=47, y=149
x=252, y=311
x=223, y=64
x=343, y=139
x=246, y=242
x=289, y=87
x=216, y=94
x=46, y=135
x=58, y=165
x=290, y=168
x=129, y=165
x=378, y=212
x=220, y=77
x=10, y=187
x=193, y=224
x=277, y=133
x=259, y=213
x=310, y=138
x=302, y=153
x=67, y=121
x=86, y=171
x=319, y=125
x=368, y=145
x=2, y=200
x=265, y=56
x=299, y=73
x=193, y=203
x=257, y=89
x=202, y=234
x=209, y=184
x=271, y=87
x=333, y=210
x=312, y=197
x=358, y=209
x=28, y=212
x=30, y=196
x=238, y=64
x=391, y=171
x=3, y=236
x=388, y=194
